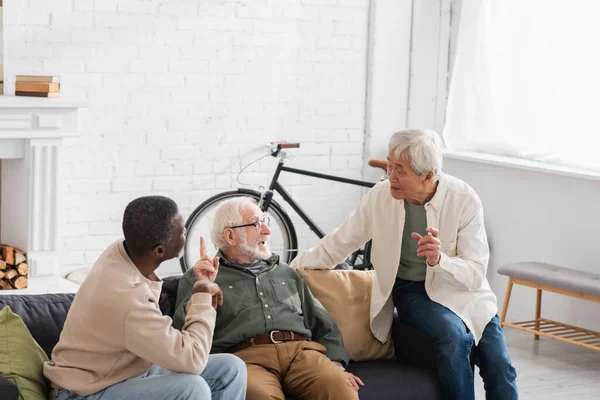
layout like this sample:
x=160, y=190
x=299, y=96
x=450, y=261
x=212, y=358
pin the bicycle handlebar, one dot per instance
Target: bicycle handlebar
x=379, y=164
x=287, y=145
x=277, y=147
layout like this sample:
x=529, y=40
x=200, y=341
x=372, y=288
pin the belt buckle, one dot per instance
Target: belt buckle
x=273, y=339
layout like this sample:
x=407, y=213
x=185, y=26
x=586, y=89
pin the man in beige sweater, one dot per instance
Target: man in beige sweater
x=116, y=344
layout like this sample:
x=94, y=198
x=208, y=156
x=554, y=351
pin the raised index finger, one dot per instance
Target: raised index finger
x=202, y=248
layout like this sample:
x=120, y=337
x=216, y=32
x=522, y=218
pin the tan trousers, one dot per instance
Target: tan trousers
x=301, y=369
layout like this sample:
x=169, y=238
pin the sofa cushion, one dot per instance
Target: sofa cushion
x=44, y=315
x=346, y=295
x=21, y=358
x=79, y=275
x=168, y=296
x=8, y=390
x=412, y=346
x=394, y=380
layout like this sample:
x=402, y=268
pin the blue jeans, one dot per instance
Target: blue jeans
x=453, y=343
x=224, y=378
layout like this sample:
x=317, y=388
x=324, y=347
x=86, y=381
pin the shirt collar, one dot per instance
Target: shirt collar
x=440, y=193
x=274, y=259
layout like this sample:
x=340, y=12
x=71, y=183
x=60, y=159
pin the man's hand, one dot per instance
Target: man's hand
x=206, y=268
x=429, y=246
x=354, y=380
x=211, y=288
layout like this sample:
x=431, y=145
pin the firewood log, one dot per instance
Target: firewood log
x=19, y=282
x=5, y=285
x=11, y=273
x=19, y=258
x=8, y=255
x=2, y=265
x=1, y=274
x=22, y=269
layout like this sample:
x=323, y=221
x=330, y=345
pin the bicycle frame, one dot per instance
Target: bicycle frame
x=275, y=186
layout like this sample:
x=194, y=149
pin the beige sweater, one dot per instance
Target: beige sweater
x=115, y=330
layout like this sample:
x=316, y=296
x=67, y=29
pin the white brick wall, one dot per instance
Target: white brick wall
x=182, y=94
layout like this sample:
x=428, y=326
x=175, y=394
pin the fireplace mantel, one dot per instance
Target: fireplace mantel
x=40, y=102
x=31, y=135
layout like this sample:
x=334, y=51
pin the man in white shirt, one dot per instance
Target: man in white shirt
x=430, y=255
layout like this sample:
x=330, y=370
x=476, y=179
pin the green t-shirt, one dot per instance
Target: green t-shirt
x=412, y=268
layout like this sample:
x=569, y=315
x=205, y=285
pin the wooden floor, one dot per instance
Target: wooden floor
x=550, y=370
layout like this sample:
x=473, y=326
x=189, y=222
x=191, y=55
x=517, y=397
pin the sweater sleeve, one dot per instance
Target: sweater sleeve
x=149, y=335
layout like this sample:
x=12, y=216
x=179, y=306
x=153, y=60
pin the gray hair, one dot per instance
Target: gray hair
x=422, y=149
x=229, y=213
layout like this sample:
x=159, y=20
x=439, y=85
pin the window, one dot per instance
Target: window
x=526, y=81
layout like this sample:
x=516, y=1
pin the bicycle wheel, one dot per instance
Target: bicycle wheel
x=283, y=239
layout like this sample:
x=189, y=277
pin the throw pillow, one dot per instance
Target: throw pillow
x=346, y=295
x=79, y=275
x=21, y=358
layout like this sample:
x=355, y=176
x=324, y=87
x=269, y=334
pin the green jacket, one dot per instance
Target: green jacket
x=275, y=299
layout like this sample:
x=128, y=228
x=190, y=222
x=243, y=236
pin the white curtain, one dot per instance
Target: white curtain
x=526, y=81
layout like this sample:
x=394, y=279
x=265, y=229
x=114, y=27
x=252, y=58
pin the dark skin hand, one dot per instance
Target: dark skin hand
x=211, y=288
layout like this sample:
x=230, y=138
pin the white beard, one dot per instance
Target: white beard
x=255, y=252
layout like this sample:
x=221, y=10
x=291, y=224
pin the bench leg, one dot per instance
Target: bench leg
x=506, y=299
x=538, y=312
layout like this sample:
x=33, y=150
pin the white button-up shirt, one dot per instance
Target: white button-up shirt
x=458, y=282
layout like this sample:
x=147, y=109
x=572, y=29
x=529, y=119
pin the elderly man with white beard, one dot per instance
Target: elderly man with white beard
x=269, y=317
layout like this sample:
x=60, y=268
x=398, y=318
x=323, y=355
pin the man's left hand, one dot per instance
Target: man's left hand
x=354, y=380
x=429, y=246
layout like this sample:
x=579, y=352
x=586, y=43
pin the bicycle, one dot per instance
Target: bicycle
x=283, y=234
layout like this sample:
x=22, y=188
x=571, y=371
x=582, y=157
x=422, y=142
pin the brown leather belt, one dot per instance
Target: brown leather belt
x=272, y=337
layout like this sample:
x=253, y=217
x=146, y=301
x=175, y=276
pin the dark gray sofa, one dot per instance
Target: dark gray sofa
x=412, y=376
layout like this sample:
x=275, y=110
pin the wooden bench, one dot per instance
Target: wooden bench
x=551, y=278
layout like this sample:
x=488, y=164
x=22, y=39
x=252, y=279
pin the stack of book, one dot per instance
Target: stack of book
x=37, y=86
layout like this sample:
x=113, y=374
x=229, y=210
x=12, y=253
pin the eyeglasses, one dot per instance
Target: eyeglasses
x=257, y=225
